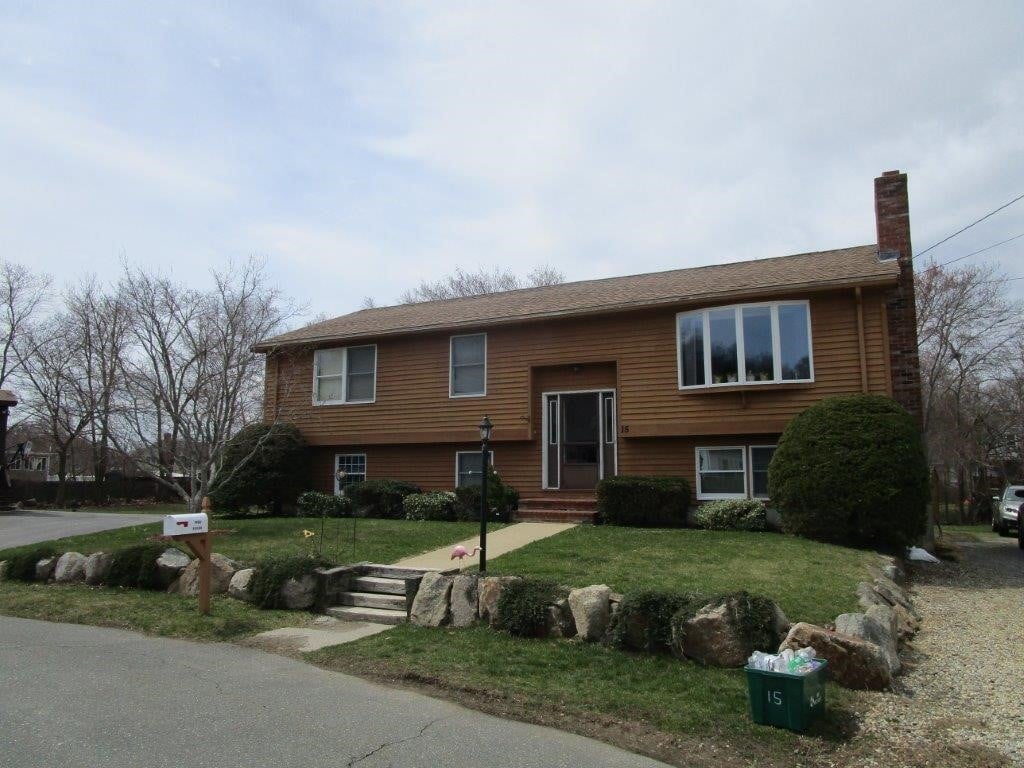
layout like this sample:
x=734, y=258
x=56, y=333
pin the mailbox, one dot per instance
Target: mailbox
x=178, y=525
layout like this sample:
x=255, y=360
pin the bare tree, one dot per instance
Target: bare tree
x=22, y=295
x=58, y=399
x=102, y=319
x=191, y=377
x=465, y=283
x=967, y=327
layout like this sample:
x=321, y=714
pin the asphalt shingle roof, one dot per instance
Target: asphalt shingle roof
x=844, y=266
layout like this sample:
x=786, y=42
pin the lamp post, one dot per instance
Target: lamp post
x=485, y=437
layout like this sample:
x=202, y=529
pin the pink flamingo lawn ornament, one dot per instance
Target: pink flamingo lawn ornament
x=460, y=552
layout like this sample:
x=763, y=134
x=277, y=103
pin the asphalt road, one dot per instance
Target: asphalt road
x=84, y=696
x=28, y=527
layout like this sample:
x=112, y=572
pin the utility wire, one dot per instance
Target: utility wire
x=982, y=250
x=959, y=231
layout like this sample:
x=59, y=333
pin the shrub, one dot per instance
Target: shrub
x=317, y=504
x=22, y=567
x=502, y=498
x=135, y=566
x=754, y=617
x=644, y=619
x=522, y=607
x=660, y=502
x=732, y=515
x=851, y=470
x=273, y=572
x=435, y=505
x=380, y=498
x=265, y=466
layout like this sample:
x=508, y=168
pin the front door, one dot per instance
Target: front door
x=579, y=439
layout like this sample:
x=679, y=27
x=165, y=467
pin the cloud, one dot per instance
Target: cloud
x=86, y=141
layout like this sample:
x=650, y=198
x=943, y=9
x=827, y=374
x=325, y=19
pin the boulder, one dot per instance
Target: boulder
x=221, y=571
x=299, y=594
x=714, y=635
x=876, y=627
x=907, y=621
x=240, y=586
x=560, y=620
x=45, y=568
x=97, y=566
x=432, y=604
x=591, y=610
x=170, y=565
x=465, y=599
x=489, y=590
x=70, y=568
x=853, y=663
x=894, y=594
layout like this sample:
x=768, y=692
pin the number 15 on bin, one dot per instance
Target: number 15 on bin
x=775, y=697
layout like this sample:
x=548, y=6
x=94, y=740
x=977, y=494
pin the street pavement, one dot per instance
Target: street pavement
x=85, y=696
x=21, y=526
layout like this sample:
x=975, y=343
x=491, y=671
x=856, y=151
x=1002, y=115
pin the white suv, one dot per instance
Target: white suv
x=1004, y=513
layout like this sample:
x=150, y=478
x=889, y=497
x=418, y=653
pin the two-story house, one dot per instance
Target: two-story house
x=691, y=372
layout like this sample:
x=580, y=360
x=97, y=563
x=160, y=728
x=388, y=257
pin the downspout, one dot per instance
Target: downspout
x=860, y=340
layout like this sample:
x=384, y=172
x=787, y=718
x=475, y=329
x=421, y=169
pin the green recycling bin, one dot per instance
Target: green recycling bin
x=788, y=701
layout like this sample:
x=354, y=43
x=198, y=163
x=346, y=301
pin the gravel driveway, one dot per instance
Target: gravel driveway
x=961, y=702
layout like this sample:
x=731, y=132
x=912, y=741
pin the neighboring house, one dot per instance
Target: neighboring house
x=691, y=372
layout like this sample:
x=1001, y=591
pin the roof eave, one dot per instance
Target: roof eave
x=880, y=280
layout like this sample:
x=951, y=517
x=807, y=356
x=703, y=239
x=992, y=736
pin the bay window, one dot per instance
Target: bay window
x=745, y=344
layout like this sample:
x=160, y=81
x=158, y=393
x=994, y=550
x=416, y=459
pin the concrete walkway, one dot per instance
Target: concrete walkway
x=498, y=543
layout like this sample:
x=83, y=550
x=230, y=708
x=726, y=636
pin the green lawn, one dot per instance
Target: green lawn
x=379, y=541
x=811, y=581
x=154, y=613
x=138, y=509
x=547, y=680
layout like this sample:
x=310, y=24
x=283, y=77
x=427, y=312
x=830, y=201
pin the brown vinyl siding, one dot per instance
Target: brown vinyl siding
x=637, y=356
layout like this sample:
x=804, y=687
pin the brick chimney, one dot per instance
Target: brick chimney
x=892, y=218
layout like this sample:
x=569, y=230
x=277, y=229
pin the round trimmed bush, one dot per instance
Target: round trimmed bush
x=432, y=505
x=852, y=470
x=317, y=504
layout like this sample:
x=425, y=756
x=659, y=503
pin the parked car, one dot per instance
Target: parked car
x=1005, y=511
x=1020, y=528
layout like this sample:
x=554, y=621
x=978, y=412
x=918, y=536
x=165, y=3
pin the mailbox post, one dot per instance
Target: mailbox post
x=194, y=530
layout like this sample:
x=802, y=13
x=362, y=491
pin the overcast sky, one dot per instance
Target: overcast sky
x=361, y=147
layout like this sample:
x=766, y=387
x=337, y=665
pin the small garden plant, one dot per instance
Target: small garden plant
x=732, y=515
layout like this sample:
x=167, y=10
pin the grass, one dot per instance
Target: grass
x=570, y=684
x=811, y=581
x=154, y=613
x=145, y=508
x=379, y=541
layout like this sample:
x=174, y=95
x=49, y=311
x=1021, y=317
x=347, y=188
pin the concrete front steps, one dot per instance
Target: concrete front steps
x=380, y=594
x=557, y=509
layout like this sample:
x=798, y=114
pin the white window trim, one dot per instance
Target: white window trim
x=744, y=472
x=741, y=376
x=490, y=457
x=344, y=376
x=451, y=365
x=750, y=464
x=366, y=469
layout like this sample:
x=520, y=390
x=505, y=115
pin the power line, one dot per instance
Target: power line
x=959, y=231
x=982, y=250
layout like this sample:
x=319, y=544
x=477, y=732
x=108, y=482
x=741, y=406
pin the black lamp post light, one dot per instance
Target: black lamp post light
x=485, y=437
